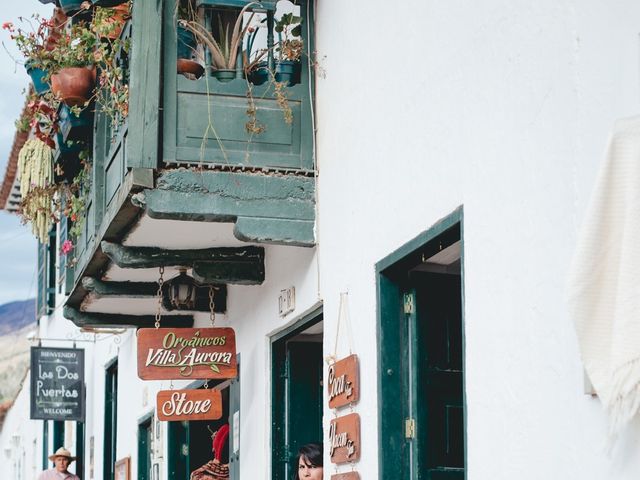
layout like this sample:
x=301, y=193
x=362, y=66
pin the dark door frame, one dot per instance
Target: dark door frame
x=392, y=445
x=279, y=430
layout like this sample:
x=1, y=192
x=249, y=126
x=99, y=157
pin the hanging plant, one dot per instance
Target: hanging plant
x=35, y=167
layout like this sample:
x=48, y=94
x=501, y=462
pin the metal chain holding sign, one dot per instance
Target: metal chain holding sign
x=212, y=316
x=159, y=311
x=212, y=307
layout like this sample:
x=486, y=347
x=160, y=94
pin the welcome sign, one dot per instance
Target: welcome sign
x=57, y=384
x=183, y=353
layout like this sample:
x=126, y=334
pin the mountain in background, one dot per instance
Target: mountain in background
x=14, y=316
x=17, y=319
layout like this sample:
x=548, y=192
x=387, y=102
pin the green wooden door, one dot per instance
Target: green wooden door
x=110, y=421
x=297, y=401
x=434, y=330
x=178, y=439
x=304, y=394
x=144, y=450
x=79, y=467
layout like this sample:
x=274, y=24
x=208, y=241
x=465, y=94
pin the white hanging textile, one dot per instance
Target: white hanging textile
x=604, y=284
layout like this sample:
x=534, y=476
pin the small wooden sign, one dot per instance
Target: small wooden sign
x=122, y=469
x=344, y=382
x=181, y=353
x=346, y=476
x=344, y=439
x=179, y=405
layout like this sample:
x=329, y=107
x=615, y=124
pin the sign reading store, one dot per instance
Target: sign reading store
x=57, y=384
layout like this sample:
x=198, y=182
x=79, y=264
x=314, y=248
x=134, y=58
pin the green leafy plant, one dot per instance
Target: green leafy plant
x=110, y=54
x=289, y=30
x=74, y=48
x=224, y=50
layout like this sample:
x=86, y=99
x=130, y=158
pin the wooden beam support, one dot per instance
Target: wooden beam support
x=240, y=266
x=110, y=320
x=275, y=209
x=145, y=290
x=119, y=289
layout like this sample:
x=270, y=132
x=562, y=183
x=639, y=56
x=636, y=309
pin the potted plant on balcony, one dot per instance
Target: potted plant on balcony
x=290, y=47
x=224, y=51
x=108, y=22
x=34, y=45
x=73, y=66
x=186, y=43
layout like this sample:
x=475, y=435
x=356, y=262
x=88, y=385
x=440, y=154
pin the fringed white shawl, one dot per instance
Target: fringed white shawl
x=604, y=284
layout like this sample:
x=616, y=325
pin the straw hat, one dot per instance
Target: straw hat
x=62, y=452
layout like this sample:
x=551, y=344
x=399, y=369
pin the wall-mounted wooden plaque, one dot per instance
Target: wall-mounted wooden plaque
x=344, y=382
x=181, y=353
x=346, y=476
x=344, y=439
x=122, y=469
x=179, y=405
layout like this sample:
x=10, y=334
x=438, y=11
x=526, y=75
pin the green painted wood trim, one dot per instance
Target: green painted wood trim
x=275, y=209
x=45, y=444
x=149, y=416
x=220, y=196
x=299, y=233
x=144, y=84
x=439, y=227
x=170, y=82
x=109, y=320
x=80, y=449
x=300, y=324
x=391, y=442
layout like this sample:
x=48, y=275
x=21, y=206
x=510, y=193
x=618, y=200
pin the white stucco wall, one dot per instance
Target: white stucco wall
x=503, y=107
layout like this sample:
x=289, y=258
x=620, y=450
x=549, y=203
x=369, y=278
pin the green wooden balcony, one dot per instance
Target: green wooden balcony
x=185, y=153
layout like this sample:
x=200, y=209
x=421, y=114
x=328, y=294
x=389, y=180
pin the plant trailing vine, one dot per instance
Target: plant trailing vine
x=37, y=187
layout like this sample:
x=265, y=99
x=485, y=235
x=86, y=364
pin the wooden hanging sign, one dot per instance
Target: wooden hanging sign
x=182, y=353
x=346, y=476
x=344, y=439
x=180, y=405
x=344, y=382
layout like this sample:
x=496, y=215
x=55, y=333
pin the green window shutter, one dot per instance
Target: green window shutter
x=110, y=420
x=80, y=449
x=41, y=296
x=51, y=271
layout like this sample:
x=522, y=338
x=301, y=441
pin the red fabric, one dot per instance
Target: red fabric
x=219, y=440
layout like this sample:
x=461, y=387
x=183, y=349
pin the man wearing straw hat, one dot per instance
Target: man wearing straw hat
x=61, y=459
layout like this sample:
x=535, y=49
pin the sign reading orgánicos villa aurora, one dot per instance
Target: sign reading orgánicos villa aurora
x=57, y=384
x=182, y=353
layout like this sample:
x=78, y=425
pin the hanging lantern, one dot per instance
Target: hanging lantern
x=182, y=291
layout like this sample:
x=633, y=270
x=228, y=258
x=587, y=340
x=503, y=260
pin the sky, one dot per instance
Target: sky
x=17, y=244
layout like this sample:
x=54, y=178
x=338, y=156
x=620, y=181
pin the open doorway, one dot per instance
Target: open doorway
x=191, y=442
x=421, y=345
x=296, y=395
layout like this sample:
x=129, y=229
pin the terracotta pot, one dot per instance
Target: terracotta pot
x=115, y=23
x=189, y=66
x=73, y=85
